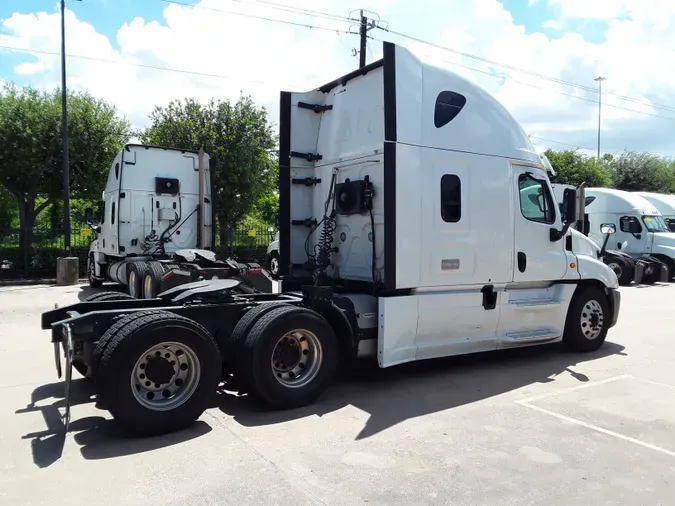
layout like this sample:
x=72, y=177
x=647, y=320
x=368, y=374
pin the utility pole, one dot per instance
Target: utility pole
x=599, y=80
x=363, y=34
x=64, y=132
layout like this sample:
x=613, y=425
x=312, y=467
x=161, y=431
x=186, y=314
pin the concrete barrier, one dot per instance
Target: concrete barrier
x=67, y=271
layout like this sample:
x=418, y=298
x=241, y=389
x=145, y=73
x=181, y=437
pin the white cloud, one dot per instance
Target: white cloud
x=260, y=58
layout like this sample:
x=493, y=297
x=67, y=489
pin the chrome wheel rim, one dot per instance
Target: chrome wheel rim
x=274, y=265
x=132, y=283
x=297, y=358
x=592, y=320
x=165, y=376
x=148, y=288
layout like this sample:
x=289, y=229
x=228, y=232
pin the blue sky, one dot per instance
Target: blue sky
x=573, y=40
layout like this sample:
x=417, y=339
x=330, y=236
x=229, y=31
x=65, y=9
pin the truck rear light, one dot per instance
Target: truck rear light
x=168, y=275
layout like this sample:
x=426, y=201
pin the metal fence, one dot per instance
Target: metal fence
x=46, y=245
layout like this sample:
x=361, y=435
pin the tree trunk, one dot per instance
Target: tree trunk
x=26, y=222
x=27, y=215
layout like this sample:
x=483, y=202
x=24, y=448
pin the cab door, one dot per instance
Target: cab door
x=537, y=258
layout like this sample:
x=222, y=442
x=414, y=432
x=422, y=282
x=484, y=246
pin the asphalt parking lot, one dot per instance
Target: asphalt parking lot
x=535, y=426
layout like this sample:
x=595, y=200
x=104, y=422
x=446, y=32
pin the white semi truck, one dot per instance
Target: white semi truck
x=156, y=227
x=404, y=236
x=665, y=203
x=641, y=234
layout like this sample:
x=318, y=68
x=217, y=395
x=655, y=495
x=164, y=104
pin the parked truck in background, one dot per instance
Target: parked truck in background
x=641, y=233
x=156, y=227
x=626, y=268
x=665, y=203
x=404, y=235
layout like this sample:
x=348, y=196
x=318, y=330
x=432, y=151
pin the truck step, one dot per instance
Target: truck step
x=531, y=335
x=534, y=302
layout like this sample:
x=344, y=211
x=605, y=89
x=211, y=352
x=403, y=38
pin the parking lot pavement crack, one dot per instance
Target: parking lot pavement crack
x=286, y=476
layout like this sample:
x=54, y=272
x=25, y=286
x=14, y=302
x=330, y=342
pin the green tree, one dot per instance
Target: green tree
x=643, y=172
x=575, y=168
x=7, y=210
x=31, y=150
x=241, y=145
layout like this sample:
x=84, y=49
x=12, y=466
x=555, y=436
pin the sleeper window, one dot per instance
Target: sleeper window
x=536, y=203
x=448, y=106
x=112, y=214
x=451, y=198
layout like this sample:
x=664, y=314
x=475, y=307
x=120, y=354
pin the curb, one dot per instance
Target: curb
x=28, y=282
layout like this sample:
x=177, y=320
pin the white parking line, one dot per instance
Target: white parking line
x=527, y=403
x=573, y=389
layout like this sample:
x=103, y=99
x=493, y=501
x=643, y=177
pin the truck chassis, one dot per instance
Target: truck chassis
x=155, y=366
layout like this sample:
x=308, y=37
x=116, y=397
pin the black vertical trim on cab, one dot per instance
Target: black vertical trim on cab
x=389, y=77
x=285, y=183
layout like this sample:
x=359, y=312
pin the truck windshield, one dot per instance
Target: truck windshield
x=655, y=224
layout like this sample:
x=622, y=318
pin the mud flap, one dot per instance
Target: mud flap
x=664, y=276
x=639, y=271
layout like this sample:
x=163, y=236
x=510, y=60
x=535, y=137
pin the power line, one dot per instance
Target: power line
x=142, y=65
x=561, y=143
x=585, y=99
x=254, y=16
x=529, y=72
x=297, y=10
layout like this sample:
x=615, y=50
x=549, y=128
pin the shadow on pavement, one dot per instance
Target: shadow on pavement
x=98, y=437
x=390, y=396
x=396, y=394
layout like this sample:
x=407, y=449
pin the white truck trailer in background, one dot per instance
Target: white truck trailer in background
x=405, y=234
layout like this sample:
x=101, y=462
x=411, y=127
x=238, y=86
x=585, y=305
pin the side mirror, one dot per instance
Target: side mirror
x=608, y=228
x=570, y=205
x=89, y=216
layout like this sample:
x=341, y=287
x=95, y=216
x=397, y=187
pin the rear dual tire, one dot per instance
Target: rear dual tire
x=285, y=355
x=156, y=371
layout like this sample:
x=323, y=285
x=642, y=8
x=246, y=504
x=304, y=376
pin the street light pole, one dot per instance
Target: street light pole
x=64, y=131
x=599, y=80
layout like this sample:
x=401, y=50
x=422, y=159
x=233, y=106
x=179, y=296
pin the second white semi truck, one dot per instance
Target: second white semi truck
x=156, y=227
x=641, y=233
x=404, y=235
x=665, y=203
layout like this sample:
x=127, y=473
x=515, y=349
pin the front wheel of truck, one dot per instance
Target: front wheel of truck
x=588, y=320
x=158, y=372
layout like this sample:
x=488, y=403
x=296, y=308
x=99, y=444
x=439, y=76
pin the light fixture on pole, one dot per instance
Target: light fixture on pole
x=599, y=80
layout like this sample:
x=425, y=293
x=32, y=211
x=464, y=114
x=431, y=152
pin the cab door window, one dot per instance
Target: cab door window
x=536, y=202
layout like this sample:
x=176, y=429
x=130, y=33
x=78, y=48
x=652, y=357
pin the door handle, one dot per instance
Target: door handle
x=522, y=261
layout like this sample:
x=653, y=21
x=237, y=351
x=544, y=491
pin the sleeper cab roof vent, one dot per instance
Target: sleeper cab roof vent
x=448, y=106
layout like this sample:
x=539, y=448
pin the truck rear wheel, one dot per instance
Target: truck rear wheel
x=152, y=280
x=289, y=357
x=588, y=320
x=158, y=372
x=137, y=272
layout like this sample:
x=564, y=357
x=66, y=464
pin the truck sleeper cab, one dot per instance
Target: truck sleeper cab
x=416, y=221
